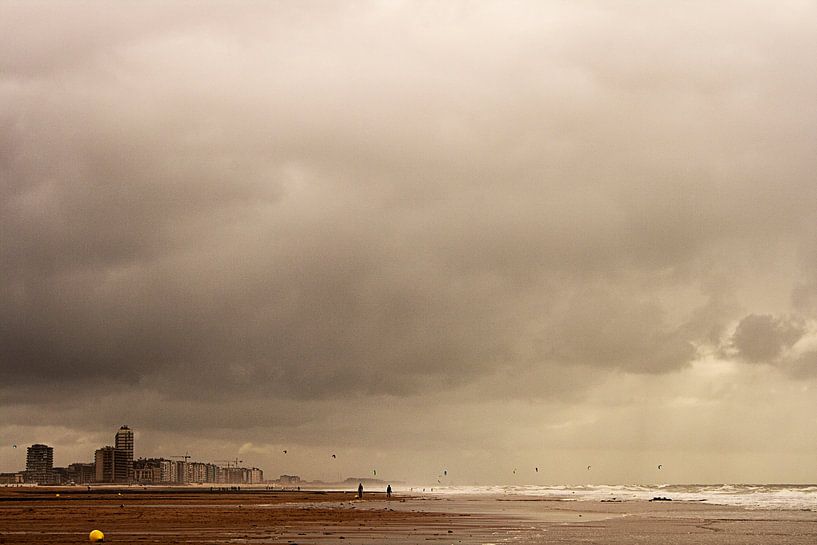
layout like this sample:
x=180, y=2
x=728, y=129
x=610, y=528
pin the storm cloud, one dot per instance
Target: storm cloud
x=763, y=337
x=277, y=212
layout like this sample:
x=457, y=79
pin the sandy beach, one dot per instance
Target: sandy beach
x=201, y=516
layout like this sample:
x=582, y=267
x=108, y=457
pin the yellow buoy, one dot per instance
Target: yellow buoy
x=58, y=495
x=96, y=536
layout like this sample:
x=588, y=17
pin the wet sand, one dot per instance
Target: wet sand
x=199, y=516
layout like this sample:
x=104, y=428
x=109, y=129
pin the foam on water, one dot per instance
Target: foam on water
x=754, y=496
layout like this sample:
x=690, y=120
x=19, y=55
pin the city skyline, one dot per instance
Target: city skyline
x=116, y=465
x=509, y=241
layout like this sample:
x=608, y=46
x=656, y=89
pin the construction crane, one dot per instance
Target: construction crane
x=186, y=456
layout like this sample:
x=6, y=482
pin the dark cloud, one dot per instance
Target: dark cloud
x=762, y=337
x=233, y=206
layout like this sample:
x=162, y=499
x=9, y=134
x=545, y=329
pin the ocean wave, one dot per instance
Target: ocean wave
x=753, y=496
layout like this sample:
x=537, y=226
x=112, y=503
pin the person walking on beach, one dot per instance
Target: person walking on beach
x=360, y=491
x=388, y=491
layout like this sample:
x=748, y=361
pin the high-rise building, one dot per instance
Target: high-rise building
x=122, y=470
x=168, y=471
x=105, y=464
x=181, y=471
x=256, y=476
x=40, y=464
x=124, y=443
x=111, y=465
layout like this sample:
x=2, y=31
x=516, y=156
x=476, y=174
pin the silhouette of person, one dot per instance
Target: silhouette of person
x=388, y=491
x=360, y=491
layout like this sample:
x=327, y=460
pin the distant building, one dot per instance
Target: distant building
x=115, y=464
x=105, y=464
x=124, y=443
x=40, y=464
x=231, y=475
x=256, y=476
x=60, y=476
x=180, y=472
x=198, y=472
x=159, y=470
x=289, y=479
x=240, y=475
x=168, y=471
x=11, y=478
x=148, y=470
x=81, y=473
x=122, y=470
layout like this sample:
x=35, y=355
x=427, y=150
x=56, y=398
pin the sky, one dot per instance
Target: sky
x=426, y=237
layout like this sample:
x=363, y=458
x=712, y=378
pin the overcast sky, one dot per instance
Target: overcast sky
x=477, y=236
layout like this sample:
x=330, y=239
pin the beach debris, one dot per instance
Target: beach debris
x=285, y=451
x=660, y=466
x=333, y=456
x=588, y=468
x=96, y=536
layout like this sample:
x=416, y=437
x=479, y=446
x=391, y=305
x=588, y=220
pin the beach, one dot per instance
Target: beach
x=258, y=516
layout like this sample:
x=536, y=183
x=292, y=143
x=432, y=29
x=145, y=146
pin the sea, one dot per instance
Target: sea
x=750, y=496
